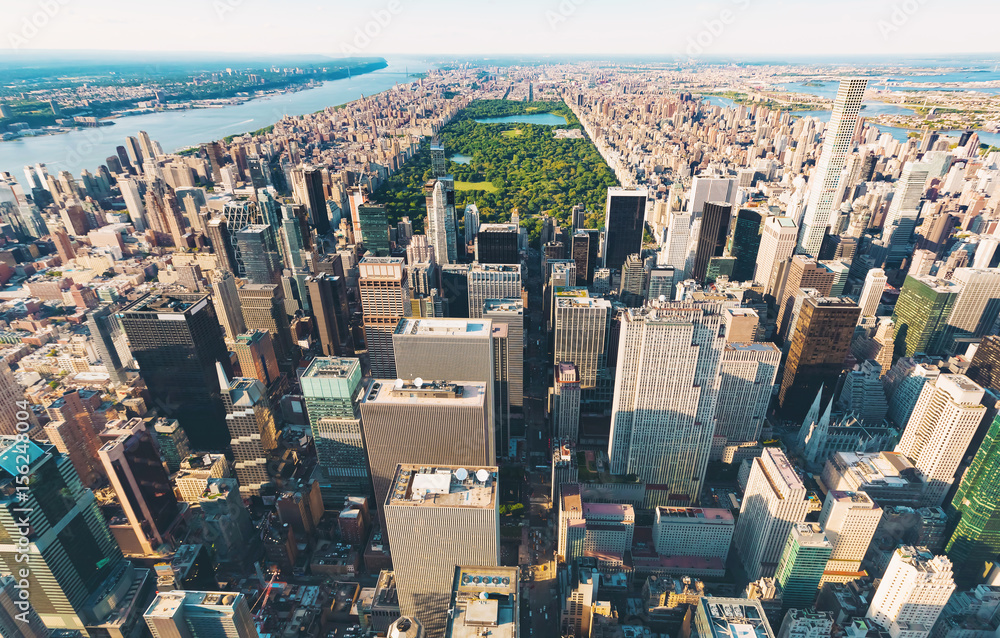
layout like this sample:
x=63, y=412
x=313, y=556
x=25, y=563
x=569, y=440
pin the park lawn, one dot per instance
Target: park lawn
x=476, y=186
x=514, y=132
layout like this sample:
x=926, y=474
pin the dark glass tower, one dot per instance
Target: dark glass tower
x=712, y=237
x=624, y=219
x=745, y=244
x=374, y=228
x=497, y=244
x=260, y=254
x=177, y=339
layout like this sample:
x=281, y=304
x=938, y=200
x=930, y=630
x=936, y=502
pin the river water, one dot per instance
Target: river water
x=176, y=130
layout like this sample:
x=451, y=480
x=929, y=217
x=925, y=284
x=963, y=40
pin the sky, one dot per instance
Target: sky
x=671, y=28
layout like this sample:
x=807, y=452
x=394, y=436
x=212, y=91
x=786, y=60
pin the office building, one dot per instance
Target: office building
x=710, y=187
x=943, y=422
x=863, y=395
x=676, y=248
x=921, y=314
x=385, y=299
x=497, y=244
x=438, y=518
x=251, y=428
x=801, y=565
x=624, y=222
x=976, y=307
x=581, y=333
x=440, y=221
x=455, y=289
x=200, y=614
x=264, y=309
x=903, y=384
x=975, y=542
x=226, y=299
x=849, y=520
x=328, y=298
x=12, y=394
x=889, y=478
x=176, y=339
x=566, y=403
x=718, y=617
x=901, y=219
x=585, y=252
x=747, y=372
x=259, y=250
x=821, y=341
x=984, y=368
x=173, y=442
x=774, y=500
x=17, y=617
x=425, y=422
x=139, y=478
x=824, y=184
x=711, y=237
x=510, y=312
x=492, y=281
x=802, y=273
x=192, y=478
x=485, y=600
x=255, y=354
x=662, y=424
x=693, y=531
x=744, y=244
x=871, y=293
x=108, y=338
x=915, y=588
x=374, y=223
x=227, y=527
x=661, y=283
x=777, y=243
x=78, y=578
x=332, y=391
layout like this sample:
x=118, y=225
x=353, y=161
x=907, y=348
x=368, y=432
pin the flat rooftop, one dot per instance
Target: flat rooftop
x=164, y=303
x=752, y=347
x=443, y=486
x=735, y=617
x=451, y=393
x=443, y=327
x=504, y=305
x=485, y=603
x=699, y=515
x=810, y=535
x=166, y=604
x=331, y=367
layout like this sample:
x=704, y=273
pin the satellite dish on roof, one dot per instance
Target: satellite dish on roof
x=482, y=475
x=461, y=474
x=483, y=595
x=418, y=382
x=399, y=383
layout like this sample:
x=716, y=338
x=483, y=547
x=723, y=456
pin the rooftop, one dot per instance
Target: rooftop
x=504, y=305
x=444, y=486
x=735, y=617
x=484, y=600
x=335, y=367
x=440, y=327
x=451, y=393
x=166, y=604
x=696, y=514
x=167, y=303
x=810, y=535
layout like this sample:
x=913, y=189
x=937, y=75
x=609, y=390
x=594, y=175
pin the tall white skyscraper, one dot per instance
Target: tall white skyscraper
x=775, y=499
x=663, y=414
x=915, y=588
x=777, y=243
x=849, y=520
x=943, y=423
x=492, y=281
x=580, y=334
x=824, y=183
x=978, y=304
x=440, y=223
x=907, y=194
x=675, y=250
x=226, y=299
x=710, y=188
x=871, y=293
x=746, y=377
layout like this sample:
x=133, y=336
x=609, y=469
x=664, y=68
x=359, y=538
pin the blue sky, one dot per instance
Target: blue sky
x=477, y=27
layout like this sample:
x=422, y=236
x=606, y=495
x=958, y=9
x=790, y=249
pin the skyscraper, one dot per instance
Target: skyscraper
x=424, y=422
x=332, y=389
x=975, y=542
x=802, y=272
x=251, y=428
x=260, y=254
x=581, y=334
x=871, y=293
x=897, y=229
x=624, y=219
x=328, y=298
x=438, y=518
x=440, y=222
x=226, y=299
x=141, y=483
x=663, y=415
x=200, y=614
x=177, y=341
x=497, y=244
x=78, y=576
x=976, y=307
x=824, y=185
x=510, y=312
x=255, y=353
x=777, y=243
x=566, y=403
x=711, y=237
x=819, y=345
x=774, y=500
x=16, y=619
x=314, y=197
x=943, y=423
x=492, y=281
x=374, y=223
x=106, y=332
x=586, y=245
x=747, y=372
x=745, y=243
x=12, y=395
x=385, y=299
x=985, y=366
x=801, y=565
x=915, y=588
x=921, y=314
x=264, y=309
x=849, y=520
